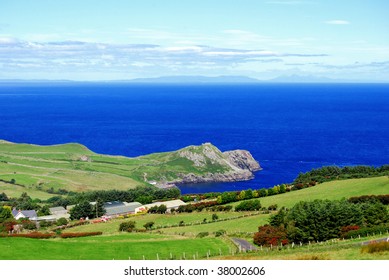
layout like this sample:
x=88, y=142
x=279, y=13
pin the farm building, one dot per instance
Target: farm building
x=59, y=212
x=19, y=214
x=121, y=209
x=56, y=213
x=171, y=204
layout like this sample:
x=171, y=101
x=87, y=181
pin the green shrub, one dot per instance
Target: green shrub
x=220, y=232
x=202, y=234
x=80, y=234
x=62, y=222
x=375, y=247
x=127, y=226
x=45, y=224
x=366, y=231
x=249, y=205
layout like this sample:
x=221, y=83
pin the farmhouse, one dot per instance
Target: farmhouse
x=171, y=204
x=19, y=214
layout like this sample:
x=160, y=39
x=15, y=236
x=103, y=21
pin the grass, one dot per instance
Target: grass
x=119, y=247
x=246, y=223
x=16, y=191
x=60, y=166
x=332, y=250
x=330, y=190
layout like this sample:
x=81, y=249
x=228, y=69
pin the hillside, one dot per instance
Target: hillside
x=169, y=241
x=73, y=167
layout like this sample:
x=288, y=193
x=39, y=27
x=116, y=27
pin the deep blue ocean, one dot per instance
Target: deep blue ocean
x=288, y=128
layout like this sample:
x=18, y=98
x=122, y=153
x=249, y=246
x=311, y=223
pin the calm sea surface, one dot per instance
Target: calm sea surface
x=288, y=128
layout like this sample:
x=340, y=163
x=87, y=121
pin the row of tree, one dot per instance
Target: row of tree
x=330, y=173
x=320, y=220
x=140, y=194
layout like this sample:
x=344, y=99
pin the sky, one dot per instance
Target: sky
x=126, y=39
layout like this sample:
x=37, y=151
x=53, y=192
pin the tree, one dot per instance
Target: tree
x=279, y=218
x=320, y=220
x=162, y=209
x=98, y=209
x=62, y=222
x=44, y=211
x=262, y=192
x=3, y=197
x=270, y=235
x=249, y=194
x=5, y=214
x=149, y=225
x=249, y=205
x=242, y=195
x=144, y=199
x=215, y=217
x=127, y=226
x=81, y=210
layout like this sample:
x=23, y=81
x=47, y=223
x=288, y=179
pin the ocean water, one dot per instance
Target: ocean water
x=288, y=128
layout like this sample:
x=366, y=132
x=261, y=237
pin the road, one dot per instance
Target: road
x=375, y=241
x=244, y=245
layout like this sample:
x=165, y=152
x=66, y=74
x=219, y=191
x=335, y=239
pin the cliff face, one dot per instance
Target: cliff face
x=230, y=166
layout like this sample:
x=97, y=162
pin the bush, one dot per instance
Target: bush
x=375, y=247
x=272, y=207
x=249, y=205
x=29, y=225
x=35, y=234
x=148, y=225
x=80, y=234
x=366, y=231
x=344, y=230
x=202, y=234
x=45, y=223
x=62, y=222
x=269, y=235
x=127, y=226
x=220, y=232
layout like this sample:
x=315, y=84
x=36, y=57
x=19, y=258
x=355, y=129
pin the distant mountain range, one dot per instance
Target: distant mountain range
x=204, y=80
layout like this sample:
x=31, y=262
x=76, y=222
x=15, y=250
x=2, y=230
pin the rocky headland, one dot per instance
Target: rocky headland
x=229, y=166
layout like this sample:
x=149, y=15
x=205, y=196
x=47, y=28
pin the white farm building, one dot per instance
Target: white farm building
x=171, y=204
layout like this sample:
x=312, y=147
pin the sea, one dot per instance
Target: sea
x=288, y=128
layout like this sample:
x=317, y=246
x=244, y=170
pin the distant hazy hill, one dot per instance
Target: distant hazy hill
x=305, y=79
x=197, y=80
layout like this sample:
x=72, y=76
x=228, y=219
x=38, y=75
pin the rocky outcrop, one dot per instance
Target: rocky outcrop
x=237, y=165
x=243, y=160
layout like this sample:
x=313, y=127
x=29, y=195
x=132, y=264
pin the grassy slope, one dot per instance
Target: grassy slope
x=115, y=245
x=59, y=166
x=119, y=247
x=331, y=190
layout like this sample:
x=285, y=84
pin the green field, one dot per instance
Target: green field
x=118, y=247
x=330, y=190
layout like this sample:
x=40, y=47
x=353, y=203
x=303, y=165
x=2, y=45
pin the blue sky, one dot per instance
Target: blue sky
x=126, y=39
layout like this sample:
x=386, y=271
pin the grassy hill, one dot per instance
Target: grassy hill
x=73, y=167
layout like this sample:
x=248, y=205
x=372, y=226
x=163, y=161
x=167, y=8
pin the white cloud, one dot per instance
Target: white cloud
x=337, y=22
x=85, y=57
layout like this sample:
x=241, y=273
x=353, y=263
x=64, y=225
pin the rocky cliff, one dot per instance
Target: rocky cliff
x=229, y=166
